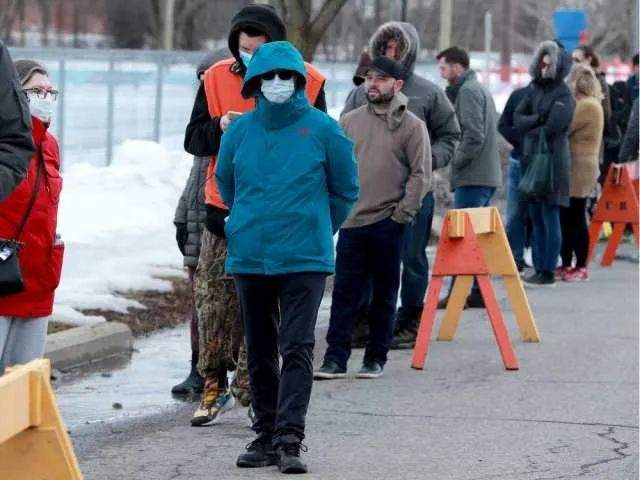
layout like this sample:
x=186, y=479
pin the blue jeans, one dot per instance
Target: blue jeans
x=517, y=212
x=367, y=268
x=546, y=237
x=415, y=264
x=472, y=196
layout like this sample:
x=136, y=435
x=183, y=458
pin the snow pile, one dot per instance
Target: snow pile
x=117, y=224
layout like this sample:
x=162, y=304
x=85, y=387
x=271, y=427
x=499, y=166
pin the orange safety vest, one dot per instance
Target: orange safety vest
x=222, y=89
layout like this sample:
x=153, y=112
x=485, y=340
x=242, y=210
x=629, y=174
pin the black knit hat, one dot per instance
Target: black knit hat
x=26, y=69
x=387, y=66
x=263, y=18
x=361, y=70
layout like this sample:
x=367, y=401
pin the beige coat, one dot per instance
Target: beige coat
x=394, y=161
x=585, y=137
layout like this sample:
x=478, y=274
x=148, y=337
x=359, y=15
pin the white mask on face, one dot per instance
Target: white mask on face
x=41, y=108
x=245, y=57
x=278, y=90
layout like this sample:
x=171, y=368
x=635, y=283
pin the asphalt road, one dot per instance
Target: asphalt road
x=571, y=411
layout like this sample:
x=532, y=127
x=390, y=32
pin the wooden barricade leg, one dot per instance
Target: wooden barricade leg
x=426, y=323
x=594, y=235
x=455, y=306
x=521, y=309
x=612, y=245
x=497, y=323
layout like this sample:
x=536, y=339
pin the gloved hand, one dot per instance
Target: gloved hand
x=215, y=220
x=181, y=236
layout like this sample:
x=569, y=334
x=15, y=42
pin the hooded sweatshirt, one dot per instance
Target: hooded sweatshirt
x=426, y=100
x=394, y=161
x=203, y=133
x=549, y=105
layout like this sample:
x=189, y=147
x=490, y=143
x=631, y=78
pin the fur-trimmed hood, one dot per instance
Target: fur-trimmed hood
x=406, y=36
x=560, y=62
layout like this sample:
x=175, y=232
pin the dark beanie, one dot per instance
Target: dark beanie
x=26, y=69
x=361, y=70
x=210, y=59
x=263, y=18
x=387, y=66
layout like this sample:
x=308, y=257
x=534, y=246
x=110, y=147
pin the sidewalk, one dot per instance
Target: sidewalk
x=570, y=411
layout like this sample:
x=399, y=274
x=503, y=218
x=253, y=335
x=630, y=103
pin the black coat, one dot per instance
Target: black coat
x=548, y=104
x=16, y=144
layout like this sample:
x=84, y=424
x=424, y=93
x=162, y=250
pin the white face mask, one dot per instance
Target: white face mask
x=41, y=108
x=245, y=57
x=278, y=90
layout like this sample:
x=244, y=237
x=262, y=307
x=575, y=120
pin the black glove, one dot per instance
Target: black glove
x=215, y=220
x=181, y=236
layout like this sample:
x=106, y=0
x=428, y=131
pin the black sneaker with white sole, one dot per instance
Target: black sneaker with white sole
x=329, y=371
x=370, y=370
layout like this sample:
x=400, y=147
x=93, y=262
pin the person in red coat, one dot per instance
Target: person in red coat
x=23, y=315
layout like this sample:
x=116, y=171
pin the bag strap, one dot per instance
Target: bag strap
x=32, y=200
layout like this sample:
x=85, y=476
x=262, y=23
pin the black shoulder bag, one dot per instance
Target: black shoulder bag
x=10, y=275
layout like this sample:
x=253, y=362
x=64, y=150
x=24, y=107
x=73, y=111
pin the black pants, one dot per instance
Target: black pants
x=575, y=232
x=367, y=272
x=280, y=396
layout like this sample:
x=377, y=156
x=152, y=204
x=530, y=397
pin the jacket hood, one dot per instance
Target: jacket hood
x=394, y=110
x=560, y=62
x=209, y=59
x=268, y=57
x=261, y=17
x=407, y=37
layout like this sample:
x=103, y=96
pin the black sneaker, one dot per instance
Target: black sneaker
x=193, y=384
x=260, y=453
x=475, y=300
x=404, y=339
x=288, y=455
x=329, y=370
x=370, y=370
x=540, y=279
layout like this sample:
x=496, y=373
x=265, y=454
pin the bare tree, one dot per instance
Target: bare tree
x=306, y=30
x=8, y=15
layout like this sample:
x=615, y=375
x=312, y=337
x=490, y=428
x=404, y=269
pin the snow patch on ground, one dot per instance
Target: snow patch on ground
x=117, y=224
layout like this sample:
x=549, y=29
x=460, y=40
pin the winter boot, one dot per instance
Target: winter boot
x=194, y=383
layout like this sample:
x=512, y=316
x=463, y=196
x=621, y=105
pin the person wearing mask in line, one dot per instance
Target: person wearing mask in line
x=29, y=216
x=189, y=221
x=585, y=137
x=475, y=168
x=217, y=103
x=517, y=209
x=288, y=174
x=394, y=166
x=16, y=143
x=400, y=42
x=548, y=105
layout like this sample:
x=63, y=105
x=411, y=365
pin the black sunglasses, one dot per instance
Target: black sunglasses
x=282, y=74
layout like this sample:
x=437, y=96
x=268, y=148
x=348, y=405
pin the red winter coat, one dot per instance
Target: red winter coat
x=40, y=255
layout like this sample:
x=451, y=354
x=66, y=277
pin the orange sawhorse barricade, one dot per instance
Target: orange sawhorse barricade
x=618, y=205
x=472, y=244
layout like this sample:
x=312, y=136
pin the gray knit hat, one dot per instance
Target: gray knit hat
x=26, y=69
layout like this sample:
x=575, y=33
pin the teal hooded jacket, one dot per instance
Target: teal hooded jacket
x=288, y=174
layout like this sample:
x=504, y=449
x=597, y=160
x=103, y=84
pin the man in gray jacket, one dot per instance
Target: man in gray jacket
x=394, y=167
x=16, y=144
x=400, y=41
x=475, y=168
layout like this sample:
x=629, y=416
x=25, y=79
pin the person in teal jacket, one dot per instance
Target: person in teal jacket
x=288, y=174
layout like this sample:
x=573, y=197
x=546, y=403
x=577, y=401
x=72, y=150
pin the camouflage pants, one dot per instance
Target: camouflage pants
x=219, y=317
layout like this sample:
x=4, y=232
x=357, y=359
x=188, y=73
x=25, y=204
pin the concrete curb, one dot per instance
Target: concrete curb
x=80, y=345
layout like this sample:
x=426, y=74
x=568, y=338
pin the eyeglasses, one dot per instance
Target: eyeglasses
x=576, y=60
x=545, y=65
x=42, y=93
x=282, y=75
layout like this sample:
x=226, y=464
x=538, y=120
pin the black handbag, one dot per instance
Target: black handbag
x=537, y=180
x=11, y=280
